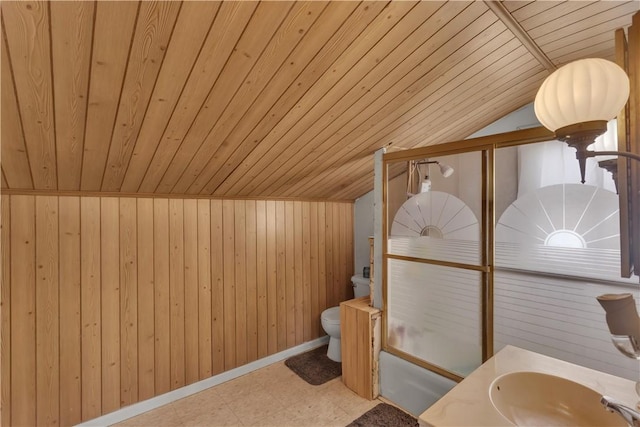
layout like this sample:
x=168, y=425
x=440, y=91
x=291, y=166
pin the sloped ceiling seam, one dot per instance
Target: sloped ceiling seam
x=514, y=26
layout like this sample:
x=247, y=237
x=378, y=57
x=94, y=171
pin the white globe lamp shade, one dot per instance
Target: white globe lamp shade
x=586, y=90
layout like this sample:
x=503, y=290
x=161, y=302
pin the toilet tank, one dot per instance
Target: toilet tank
x=360, y=286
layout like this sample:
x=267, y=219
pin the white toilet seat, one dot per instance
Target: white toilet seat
x=331, y=316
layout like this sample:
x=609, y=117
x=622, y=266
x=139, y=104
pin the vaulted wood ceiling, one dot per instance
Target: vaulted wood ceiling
x=279, y=99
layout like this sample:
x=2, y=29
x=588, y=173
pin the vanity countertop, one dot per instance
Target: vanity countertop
x=468, y=404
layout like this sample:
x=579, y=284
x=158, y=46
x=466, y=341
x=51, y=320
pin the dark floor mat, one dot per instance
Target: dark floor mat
x=314, y=366
x=384, y=415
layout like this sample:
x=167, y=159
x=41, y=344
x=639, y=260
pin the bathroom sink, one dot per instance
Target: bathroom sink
x=536, y=399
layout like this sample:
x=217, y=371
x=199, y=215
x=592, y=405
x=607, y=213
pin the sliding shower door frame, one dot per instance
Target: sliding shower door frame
x=487, y=146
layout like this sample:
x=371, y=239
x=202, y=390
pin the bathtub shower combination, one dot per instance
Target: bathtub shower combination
x=556, y=249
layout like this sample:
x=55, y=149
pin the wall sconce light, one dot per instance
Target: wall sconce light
x=576, y=102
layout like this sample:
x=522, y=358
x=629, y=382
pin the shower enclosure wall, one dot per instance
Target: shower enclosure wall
x=471, y=266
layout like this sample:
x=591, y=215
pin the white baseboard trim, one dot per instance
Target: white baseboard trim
x=163, y=399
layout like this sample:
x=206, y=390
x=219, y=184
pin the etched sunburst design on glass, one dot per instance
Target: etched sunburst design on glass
x=563, y=228
x=563, y=215
x=435, y=214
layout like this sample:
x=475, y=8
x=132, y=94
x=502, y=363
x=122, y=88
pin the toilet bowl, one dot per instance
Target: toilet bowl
x=330, y=318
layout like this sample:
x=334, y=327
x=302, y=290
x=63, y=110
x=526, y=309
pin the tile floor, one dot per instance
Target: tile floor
x=271, y=396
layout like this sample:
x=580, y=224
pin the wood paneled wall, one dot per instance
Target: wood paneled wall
x=108, y=301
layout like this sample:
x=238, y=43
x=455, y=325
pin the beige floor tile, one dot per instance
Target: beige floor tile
x=281, y=419
x=204, y=417
x=238, y=388
x=204, y=409
x=355, y=409
x=254, y=406
x=273, y=396
x=275, y=372
x=291, y=391
x=347, y=400
x=325, y=417
x=317, y=409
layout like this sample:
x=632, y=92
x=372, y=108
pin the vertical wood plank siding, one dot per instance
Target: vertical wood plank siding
x=109, y=301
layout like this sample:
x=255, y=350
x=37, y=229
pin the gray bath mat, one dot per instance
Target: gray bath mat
x=384, y=415
x=314, y=366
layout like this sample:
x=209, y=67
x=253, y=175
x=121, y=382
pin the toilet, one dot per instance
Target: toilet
x=330, y=318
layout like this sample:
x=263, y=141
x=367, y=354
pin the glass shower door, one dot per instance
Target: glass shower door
x=434, y=268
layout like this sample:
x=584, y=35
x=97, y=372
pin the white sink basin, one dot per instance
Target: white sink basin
x=536, y=399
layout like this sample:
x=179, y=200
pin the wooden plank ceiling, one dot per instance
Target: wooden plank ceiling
x=266, y=99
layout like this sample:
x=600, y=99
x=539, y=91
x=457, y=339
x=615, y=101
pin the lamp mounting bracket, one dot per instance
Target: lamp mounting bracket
x=580, y=136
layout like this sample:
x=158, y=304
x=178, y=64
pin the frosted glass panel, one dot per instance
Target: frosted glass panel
x=557, y=249
x=441, y=220
x=434, y=314
x=436, y=225
x=546, y=221
x=568, y=229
